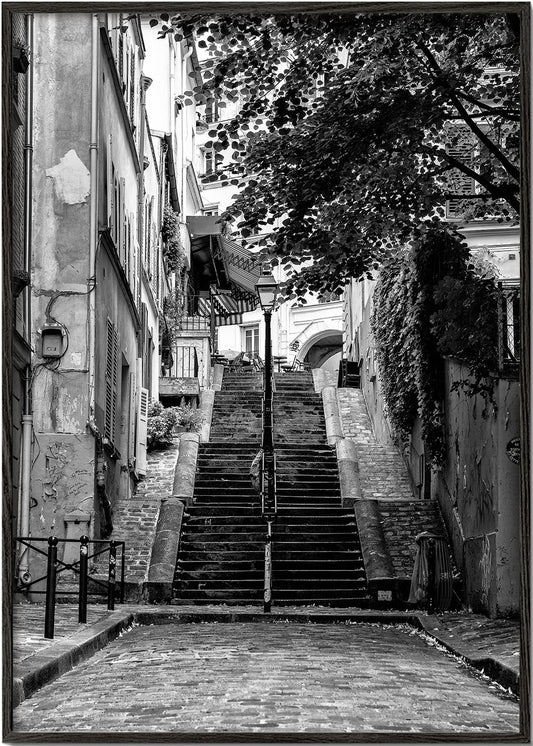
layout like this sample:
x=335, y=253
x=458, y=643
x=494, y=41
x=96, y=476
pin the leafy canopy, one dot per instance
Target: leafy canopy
x=339, y=146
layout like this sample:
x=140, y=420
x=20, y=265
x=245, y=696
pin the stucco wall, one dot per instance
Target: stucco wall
x=479, y=492
x=63, y=454
x=370, y=383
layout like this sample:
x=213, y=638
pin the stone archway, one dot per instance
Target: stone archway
x=318, y=343
x=321, y=349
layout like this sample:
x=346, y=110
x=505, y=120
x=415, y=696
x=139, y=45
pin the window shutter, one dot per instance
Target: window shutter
x=121, y=233
x=110, y=185
x=461, y=144
x=132, y=420
x=111, y=381
x=142, y=430
x=132, y=89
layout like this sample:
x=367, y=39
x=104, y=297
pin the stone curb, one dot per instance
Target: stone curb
x=348, y=466
x=185, y=472
x=331, y=415
x=218, y=374
x=42, y=668
x=207, y=398
x=158, y=587
x=377, y=560
x=319, y=379
x=495, y=669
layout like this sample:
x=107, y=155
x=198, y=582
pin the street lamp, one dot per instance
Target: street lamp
x=267, y=290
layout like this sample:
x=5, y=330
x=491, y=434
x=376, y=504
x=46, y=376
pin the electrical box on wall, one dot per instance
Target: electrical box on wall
x=52, y=340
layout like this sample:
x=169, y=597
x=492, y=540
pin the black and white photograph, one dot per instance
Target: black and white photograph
x=266, y=343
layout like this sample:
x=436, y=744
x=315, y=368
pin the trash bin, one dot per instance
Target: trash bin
x=432, y=580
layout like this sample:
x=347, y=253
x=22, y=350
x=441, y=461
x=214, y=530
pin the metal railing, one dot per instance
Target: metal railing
x=269, y=510
x=194, y=323
x=55, y=567
x=186, y=363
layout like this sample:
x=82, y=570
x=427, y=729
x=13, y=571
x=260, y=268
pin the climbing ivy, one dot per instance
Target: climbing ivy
x=170, y=233
x=431, y=300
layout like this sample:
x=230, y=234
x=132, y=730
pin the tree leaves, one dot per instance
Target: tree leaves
x=342, y=124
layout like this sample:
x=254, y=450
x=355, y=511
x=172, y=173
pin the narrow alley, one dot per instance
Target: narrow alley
x=231, y=678
x=264, y=454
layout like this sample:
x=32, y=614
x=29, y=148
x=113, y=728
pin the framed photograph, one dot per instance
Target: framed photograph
x=266, y=385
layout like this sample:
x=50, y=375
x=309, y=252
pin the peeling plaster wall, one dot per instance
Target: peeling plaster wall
x=479, y=492
x=63, y=469
x=62, y=482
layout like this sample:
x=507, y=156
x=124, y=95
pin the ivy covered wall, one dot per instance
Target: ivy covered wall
x=452, y=418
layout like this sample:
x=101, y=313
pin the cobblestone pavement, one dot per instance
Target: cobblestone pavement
x=382, y=471
x=28, y=627
x=135, y=517
x=270, y=678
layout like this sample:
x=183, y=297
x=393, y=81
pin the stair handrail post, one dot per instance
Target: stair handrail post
x=267, y=593
x=267, y=290
x=268, y=444
x=51, y=570
x=111, y=575
x=82, y=596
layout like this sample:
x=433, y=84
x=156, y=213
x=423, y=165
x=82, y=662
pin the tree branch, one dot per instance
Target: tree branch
x=508, y=192
x=509, y=114
x=511, y=169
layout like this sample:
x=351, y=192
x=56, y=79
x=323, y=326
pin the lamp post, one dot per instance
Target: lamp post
x=267, y=290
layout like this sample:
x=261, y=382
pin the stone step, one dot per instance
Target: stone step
x=335, y=595
x=255, y=603
x=358, y=600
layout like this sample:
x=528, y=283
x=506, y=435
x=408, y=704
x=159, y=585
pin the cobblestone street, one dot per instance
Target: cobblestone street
x=270, y=678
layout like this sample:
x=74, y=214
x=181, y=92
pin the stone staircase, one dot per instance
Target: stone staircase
x=316, y=554
x=221, y=554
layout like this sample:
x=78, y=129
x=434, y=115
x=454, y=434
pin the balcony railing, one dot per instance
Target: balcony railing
x=194, y=323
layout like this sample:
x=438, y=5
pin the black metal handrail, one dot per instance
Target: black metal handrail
x=56, y=566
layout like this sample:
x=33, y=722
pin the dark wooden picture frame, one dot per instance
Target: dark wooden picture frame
x=14, y=282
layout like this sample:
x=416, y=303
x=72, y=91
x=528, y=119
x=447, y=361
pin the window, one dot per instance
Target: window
x=251, y=339
x=212, y=112
x=464, y=145
x=111, y=382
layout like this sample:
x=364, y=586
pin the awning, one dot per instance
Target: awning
x=220, y=262
x=242, y=267
x=227, y=309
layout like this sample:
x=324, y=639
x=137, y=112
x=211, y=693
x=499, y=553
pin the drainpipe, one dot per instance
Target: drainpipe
x=145, y=84
x=183, y=123
x=93, y=218
x=27, y=417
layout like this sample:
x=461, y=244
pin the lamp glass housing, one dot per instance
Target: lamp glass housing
x=267, y=290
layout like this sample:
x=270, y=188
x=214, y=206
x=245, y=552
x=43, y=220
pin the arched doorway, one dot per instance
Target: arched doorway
x=323, y=351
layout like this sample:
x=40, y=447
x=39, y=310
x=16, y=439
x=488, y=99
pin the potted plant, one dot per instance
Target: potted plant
x=21, y=57
x=161, y=422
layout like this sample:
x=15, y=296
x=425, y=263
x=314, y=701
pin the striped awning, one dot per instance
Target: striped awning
x=227, y=309
x=229, y=270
